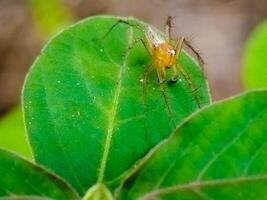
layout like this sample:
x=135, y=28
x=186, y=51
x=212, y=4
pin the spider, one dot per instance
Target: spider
x=163, y=52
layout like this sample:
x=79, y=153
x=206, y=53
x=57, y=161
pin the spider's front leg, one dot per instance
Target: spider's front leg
x=178, y=49
x=119, y=21
x=161, y=72
x=168, y=26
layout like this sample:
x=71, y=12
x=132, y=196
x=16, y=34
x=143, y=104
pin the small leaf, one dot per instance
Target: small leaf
x=98, y=192
x=19, y=177
x=218, y=153
x=89, y=115
x=255, y=60
x=12, y=133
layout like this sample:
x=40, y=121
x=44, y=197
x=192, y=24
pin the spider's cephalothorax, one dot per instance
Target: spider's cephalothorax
x=164, y=54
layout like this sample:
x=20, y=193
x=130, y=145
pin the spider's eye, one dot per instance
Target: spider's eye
x=171, y=52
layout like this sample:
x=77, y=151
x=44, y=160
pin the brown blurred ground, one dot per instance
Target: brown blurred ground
x=218, y=28
x=18, y=48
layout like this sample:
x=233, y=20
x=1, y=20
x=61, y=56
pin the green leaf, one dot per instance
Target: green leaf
x=89, y=117
x=218, y=153
x=12, y=134
x=19, y=177
x=254, y=74
x=24, y=198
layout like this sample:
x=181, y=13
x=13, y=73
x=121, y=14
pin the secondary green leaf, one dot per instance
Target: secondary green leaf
x=19, y=177
x=88, y=112
x=24, y=198
x=218, y=153
x=255, y=60
x=12, y=134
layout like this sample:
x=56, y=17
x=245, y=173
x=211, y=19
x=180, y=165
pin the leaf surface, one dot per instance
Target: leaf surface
x=218, y=153
x=24, y=198
x=89, y=113
x=19, y=177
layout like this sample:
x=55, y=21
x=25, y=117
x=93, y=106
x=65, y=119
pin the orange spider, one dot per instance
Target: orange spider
x=164, y=54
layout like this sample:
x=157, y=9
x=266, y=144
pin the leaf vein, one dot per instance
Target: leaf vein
x=201, y=184
x=112, y=117
x=254, y=157
x=225, y=148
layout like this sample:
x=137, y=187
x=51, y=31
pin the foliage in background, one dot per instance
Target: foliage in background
x=255, y=59
x=49, y=16
x=12, y=134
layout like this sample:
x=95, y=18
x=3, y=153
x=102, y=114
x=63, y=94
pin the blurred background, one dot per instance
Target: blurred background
x=218, y=29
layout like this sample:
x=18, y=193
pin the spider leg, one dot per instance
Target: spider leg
x=119, y=21
x=178, y=48
x=122, y=21
x=190, y=83
x=168, y=26
x=175, y=74
x=177, y=67
x=148, y=50
x=145, y=77
x=197, y=54
x=135, y=41
x=161, y=72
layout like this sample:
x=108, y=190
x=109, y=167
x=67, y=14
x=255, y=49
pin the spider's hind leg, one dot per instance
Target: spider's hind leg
x=196, y=54
x=178, y=49
x=177, y=68
x=190, y=84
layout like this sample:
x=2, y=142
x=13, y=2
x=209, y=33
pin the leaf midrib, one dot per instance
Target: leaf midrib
x=111, y=121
